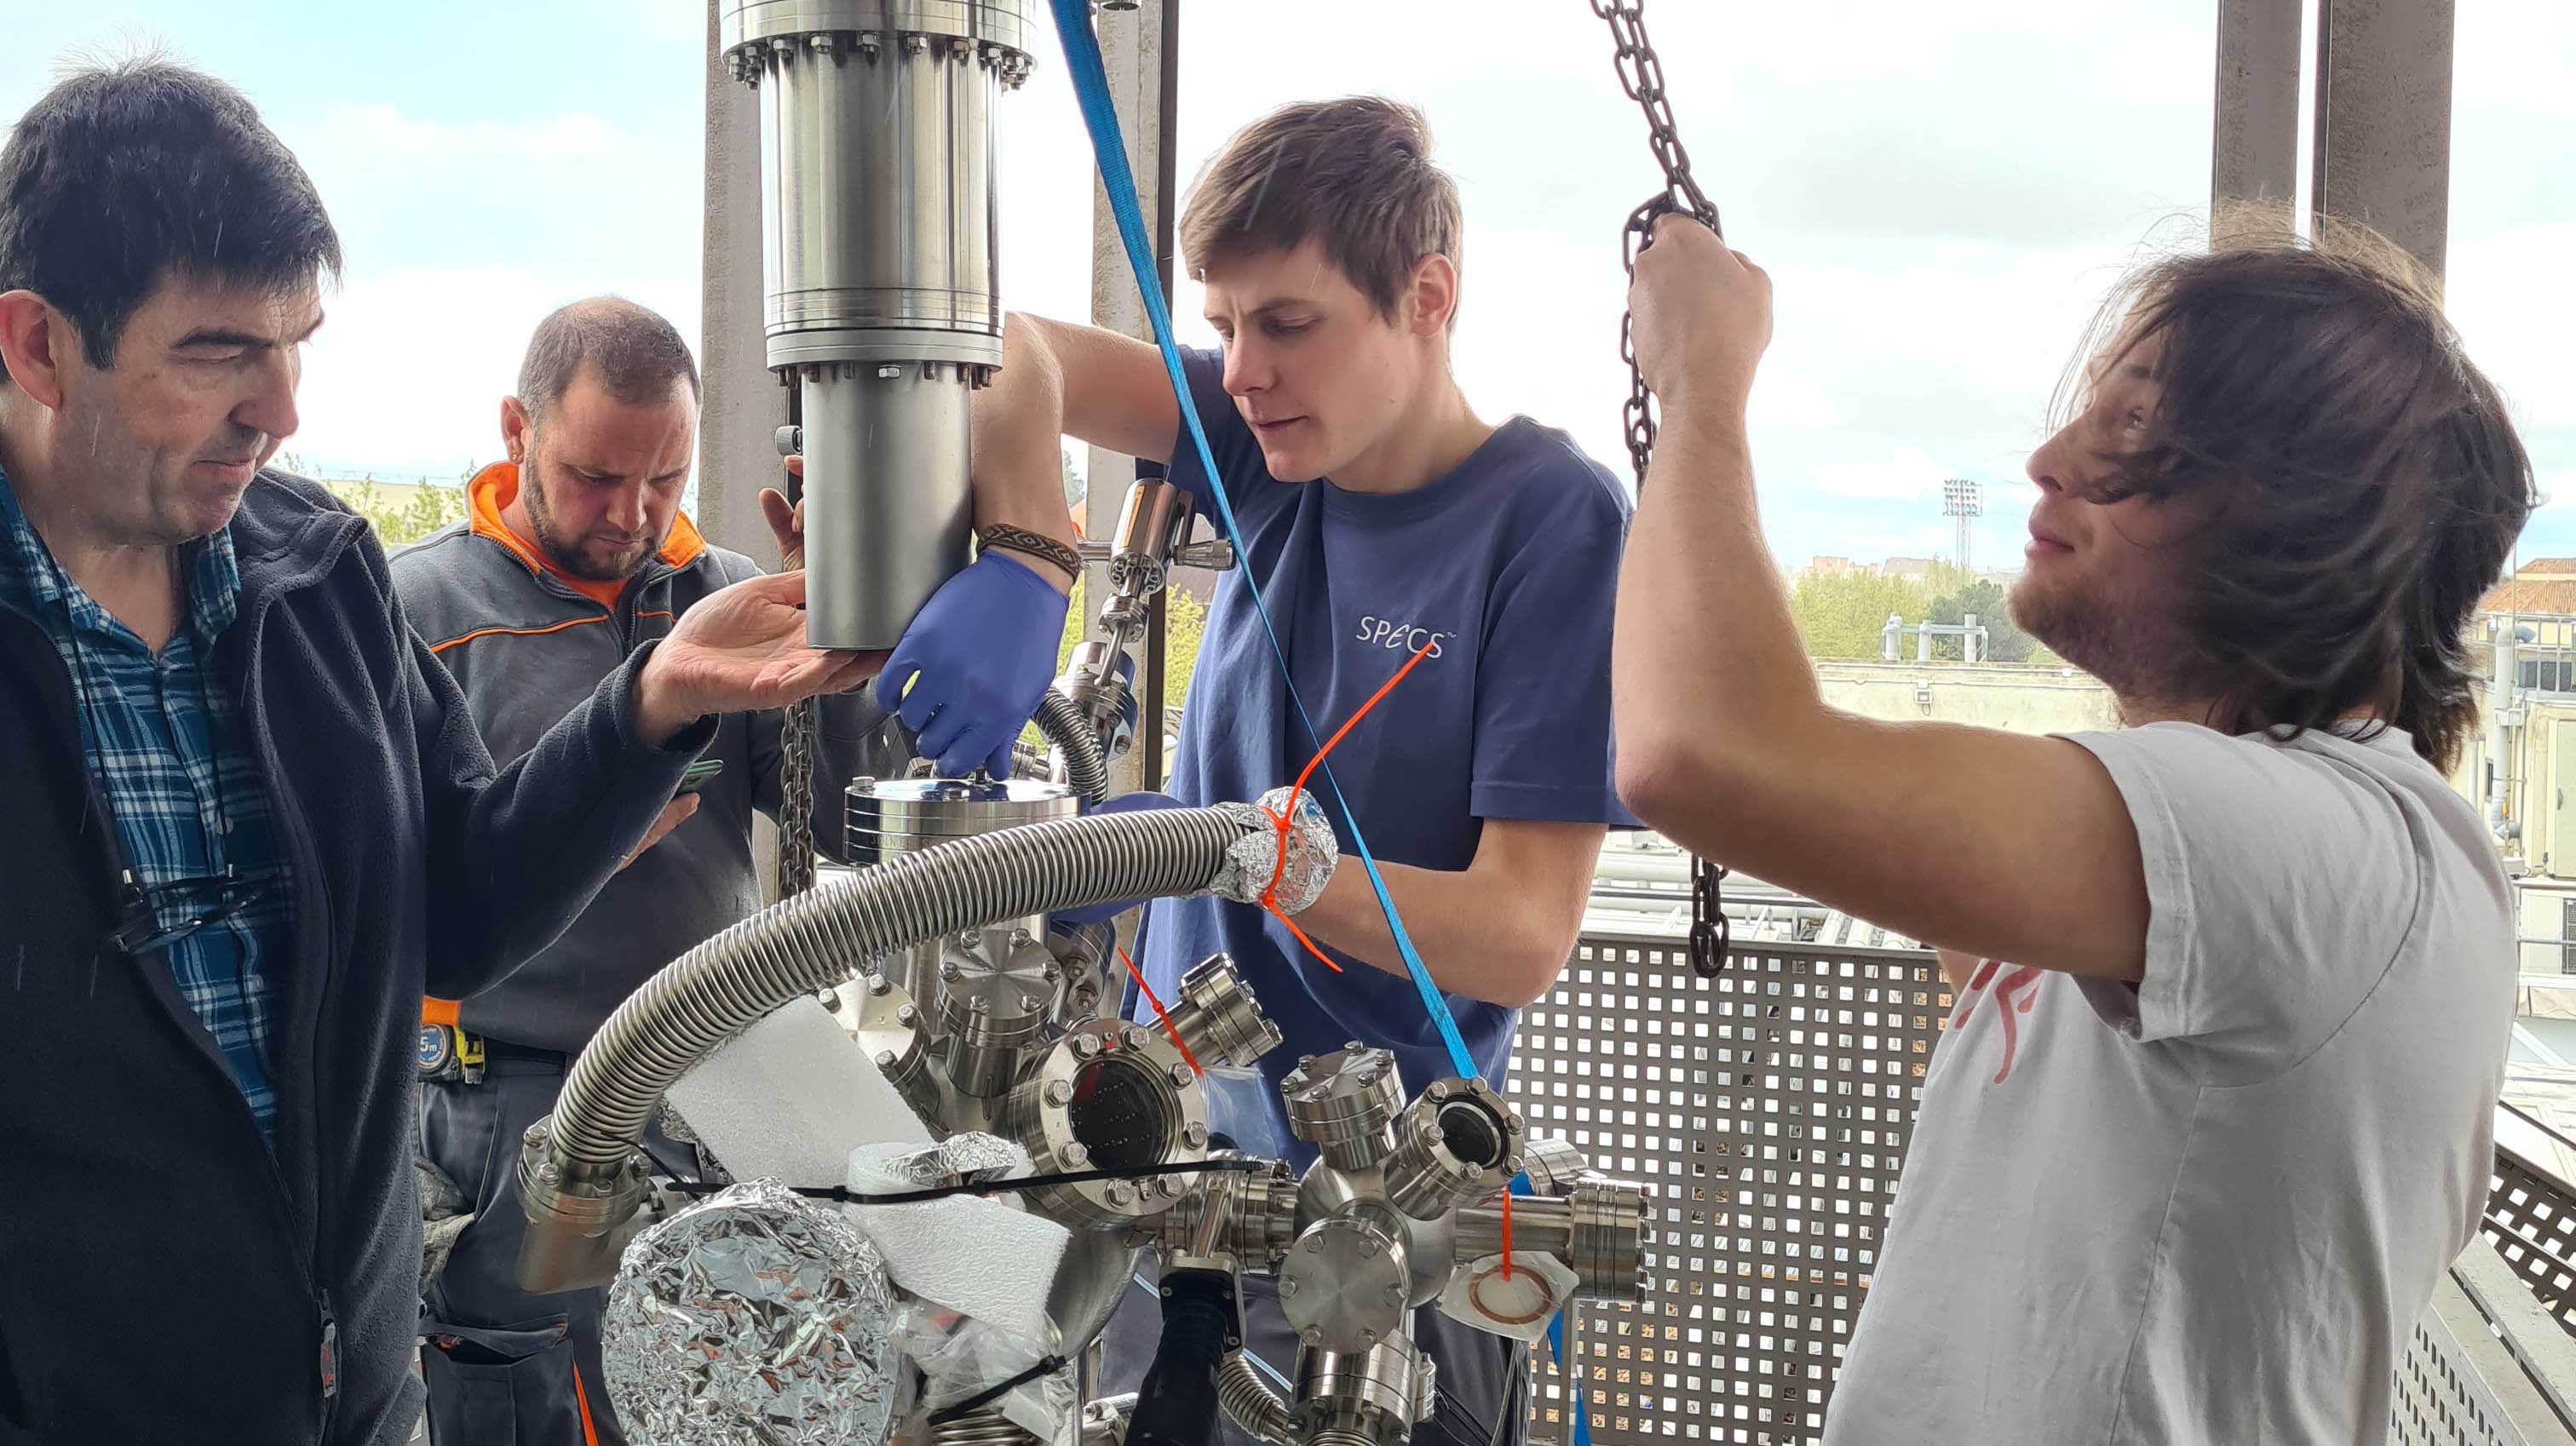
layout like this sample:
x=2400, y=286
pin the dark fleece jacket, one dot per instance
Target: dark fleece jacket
x=162, y=1276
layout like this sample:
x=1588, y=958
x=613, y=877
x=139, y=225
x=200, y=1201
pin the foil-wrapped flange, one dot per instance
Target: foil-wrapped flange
x=1253, y=861
x=754, y=1318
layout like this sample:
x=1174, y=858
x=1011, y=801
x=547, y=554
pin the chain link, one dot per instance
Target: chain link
x=796, y=799
x=1641, y=75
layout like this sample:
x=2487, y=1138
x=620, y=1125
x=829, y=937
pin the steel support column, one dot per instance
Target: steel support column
x=743, y=404
x=2254, y=143
x=2383, y=126
x=1131, y=46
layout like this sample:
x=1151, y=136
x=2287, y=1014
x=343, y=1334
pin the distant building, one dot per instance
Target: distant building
x=1915, y=567
x=1822, y=566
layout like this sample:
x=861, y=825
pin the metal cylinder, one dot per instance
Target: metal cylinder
x=887, y=818
x=882, y=303
x=1218, y=1018
x=1368, y=1398
x=1344, y=1104
x=1346, y=1284
x=1458, y=1142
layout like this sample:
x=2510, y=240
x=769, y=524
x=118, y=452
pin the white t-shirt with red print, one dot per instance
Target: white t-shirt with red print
x=2209, y=1208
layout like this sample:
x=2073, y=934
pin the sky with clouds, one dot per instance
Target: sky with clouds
x=1941, y=193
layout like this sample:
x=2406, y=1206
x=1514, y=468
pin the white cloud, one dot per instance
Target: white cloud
x=1906, y=476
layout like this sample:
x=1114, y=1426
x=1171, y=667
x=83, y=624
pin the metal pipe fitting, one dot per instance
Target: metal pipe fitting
x=1218, y=1018
x=1109, y=1096
x=1261, y=1218
x=1373, y=1397
x=1346, y=1285
x=815, y=939
x=1553, y=1164
x=1344, y=1104
x=1252, y=1404
x=880, y=275
x=1077, y=745
x=1458, y=1142
x=1598, y=1231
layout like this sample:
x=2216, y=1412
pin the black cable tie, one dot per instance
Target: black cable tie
x=1046, y=1366
x=844, y=1195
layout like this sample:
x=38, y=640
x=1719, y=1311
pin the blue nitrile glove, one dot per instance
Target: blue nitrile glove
x=1135, y=802
x=972, y=666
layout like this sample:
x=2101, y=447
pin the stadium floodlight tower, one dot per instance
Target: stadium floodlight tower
x=879, y=279
x=1963, y=500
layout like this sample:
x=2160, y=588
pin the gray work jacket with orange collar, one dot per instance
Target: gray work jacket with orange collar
x=526, y=645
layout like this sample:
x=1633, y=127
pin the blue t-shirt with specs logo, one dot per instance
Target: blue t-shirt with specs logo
x=1501, y=573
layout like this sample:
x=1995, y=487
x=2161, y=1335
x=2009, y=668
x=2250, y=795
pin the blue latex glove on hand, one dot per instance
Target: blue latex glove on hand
x=972, y=666
x=1124, y=803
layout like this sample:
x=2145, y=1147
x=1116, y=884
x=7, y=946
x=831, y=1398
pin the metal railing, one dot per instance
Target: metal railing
x=1771, y=1108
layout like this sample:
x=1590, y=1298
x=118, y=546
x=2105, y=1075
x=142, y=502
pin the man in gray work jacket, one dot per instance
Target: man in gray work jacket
x=576, y=551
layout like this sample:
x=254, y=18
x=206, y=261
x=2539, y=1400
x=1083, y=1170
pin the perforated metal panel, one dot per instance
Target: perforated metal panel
x=2440, y=1399
x=2531, y=1218
x=1770, y=1109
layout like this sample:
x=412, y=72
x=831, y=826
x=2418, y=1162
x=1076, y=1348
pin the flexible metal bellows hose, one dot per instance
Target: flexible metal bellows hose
x=810, y=940
x=1086, y=768
x=1250, y=1401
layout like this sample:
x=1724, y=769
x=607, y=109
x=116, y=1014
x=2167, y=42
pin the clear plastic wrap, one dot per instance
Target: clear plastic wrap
x=1518, y=1305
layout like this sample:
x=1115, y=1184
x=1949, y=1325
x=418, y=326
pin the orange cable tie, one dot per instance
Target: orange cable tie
x=1148, y=991
x=1299, y=787
x=1507, y=1232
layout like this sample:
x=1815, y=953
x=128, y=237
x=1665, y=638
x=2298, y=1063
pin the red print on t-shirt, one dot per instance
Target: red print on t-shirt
x=2022, y=981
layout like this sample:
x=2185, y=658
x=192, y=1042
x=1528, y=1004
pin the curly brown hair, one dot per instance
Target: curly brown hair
x=2369, y=482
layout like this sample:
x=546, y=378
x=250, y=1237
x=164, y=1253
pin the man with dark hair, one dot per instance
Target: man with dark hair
x=2212, y=1113
x=575, y=553
x=1384, y=519
x=250, y=820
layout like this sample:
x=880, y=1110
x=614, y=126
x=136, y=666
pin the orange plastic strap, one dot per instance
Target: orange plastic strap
x=1270, y=894
x=1507, y=1233
x=1159, y=1013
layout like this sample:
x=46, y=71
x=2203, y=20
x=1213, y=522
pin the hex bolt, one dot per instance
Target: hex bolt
x=1438, y=1091
x=1311, y=1335
x=880, y=985
x=831, y=998
x=1195, y=1135
x=889, y=373
x=1059, y=1092
x=1135, y=1037
x=1181, y=1075
x=906, y=1015
x=1288, y=1288
x=1085, y=1046
x=1020, y=939
x=1076, y=1153
x=885, y=1059
x=948, y=971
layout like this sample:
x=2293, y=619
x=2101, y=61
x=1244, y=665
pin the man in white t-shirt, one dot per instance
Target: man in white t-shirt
x=2233, y=982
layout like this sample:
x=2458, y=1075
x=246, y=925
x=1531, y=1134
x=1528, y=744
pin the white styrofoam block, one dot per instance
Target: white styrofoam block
x=981, y=1258
x=790, y=1097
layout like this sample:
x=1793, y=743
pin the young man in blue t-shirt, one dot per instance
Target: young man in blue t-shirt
x=1382, y=518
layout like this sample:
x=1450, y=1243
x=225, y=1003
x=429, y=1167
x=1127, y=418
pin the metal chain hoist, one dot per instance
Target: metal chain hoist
x=1641, y=75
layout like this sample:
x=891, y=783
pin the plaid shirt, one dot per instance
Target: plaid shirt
x=172, y=758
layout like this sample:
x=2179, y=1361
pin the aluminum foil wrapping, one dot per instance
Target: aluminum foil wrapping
x=1253, y=859
x=968, y=1156
x=754, y=1318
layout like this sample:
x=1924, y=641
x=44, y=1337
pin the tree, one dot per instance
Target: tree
x=1843, y=616
x=2005, y=642
x=429, y=508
